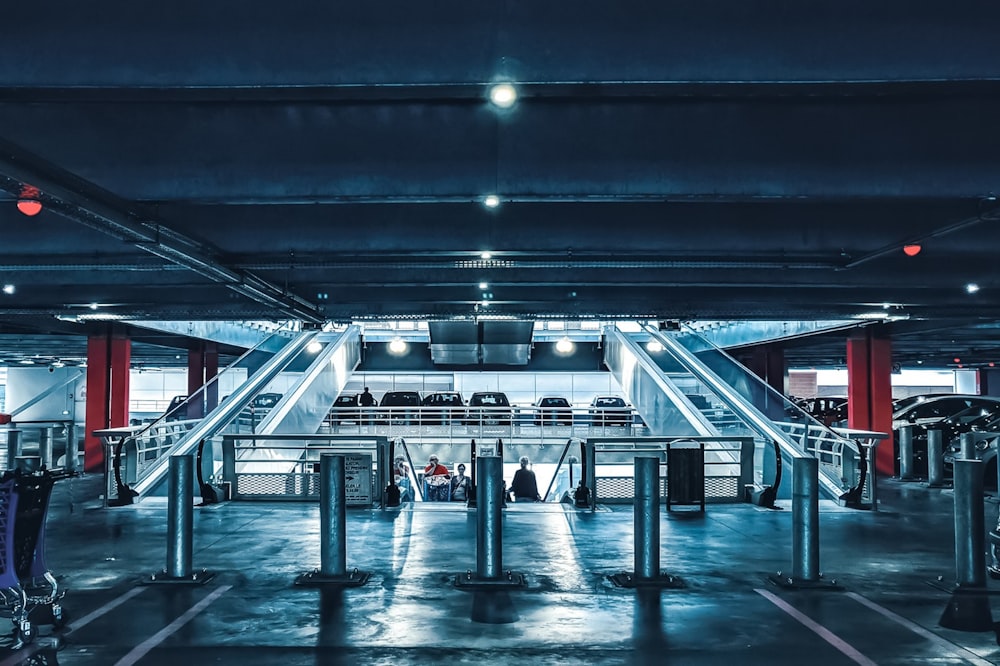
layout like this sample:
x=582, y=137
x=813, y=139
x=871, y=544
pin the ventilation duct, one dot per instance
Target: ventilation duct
x=485, y=342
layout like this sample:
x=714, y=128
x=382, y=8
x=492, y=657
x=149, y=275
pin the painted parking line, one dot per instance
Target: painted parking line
x=836, y=641
x=22, y=656
x=947, y=646
x=140, y=650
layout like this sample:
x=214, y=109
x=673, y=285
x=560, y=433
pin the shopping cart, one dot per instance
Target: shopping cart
x=25, y=581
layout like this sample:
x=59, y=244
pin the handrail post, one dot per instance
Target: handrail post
x=45, y=446
x=747, y=448
x=71, y=448
x=13, y=447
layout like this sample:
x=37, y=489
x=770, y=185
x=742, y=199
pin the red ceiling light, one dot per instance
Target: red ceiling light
x=958, y=360
x=911, y=250
x=29, y=202
x=992, y=364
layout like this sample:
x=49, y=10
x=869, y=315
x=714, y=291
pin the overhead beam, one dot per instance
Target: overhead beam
x=84, y=202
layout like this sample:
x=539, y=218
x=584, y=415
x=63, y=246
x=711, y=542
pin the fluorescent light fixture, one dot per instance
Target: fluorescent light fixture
x=58, y=364
x=26, y=361
x=491, y=201
x=872, y=315
x=398, y=346
x=972, y=288
x=485, y=256
x=503, y=95
x=654, y=346
x=485, y=304
x=314, y=347
x=9, y=289
x=565, y=346
x=484, y=285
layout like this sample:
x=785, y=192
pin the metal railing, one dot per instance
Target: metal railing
x=729, y=466
x=48, y=441
x=296, y=477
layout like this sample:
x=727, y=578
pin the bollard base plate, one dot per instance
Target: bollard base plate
x=664, y=581
x=196, y=578
x=508, y=580
x=791, y=583
x=968, y=609
x=314, y=578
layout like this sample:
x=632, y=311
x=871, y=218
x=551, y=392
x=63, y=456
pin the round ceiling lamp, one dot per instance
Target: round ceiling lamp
x=398, y=346
x=911, y=250
x=503, y=95
x=565, y=346
x=29, y=207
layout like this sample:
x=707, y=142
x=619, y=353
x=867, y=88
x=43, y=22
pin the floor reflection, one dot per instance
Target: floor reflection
x=331, y=637
x=493, y=607
x=650, y=640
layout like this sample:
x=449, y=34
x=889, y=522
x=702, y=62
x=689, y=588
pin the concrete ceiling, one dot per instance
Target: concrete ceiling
x=718, y=160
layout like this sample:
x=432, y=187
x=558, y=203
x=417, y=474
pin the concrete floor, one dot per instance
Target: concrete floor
x=251, y=613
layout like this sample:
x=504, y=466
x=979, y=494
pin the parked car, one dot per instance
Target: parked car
x=987, y=428
x=935, y=408
x=176, y=410
x=443, y=407
x=553, y=410
x=488, y=408
x=826, y=410
x=398, y=401
x=968, y=420
x=610, y=410
x=346, y=408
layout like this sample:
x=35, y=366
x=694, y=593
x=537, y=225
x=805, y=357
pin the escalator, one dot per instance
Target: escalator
x=744, y=404
x=142, y=466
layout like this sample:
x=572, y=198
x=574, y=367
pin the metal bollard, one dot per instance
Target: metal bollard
x=906, y=453
x=45, y=446
x=489, y=535
x=71, y=448
x=332, y=516
x=935, y=458
x=968, y=440
x=970, y=524
x=13, y=447
x=805, y=519
x=647, y=517
x=180, y=517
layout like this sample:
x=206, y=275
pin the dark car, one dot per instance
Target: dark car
x=972, y=413
x=987, y=427
x=553, y=410
x=443, y=407
x=488, y=408
x=176, y=410
x=346, y=408
x=398, y=402
x=610, y=410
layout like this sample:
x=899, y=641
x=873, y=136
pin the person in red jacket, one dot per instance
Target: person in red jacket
x=436, y=483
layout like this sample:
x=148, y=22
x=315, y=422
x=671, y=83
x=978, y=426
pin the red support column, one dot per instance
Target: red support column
x=108, y=359
x=869, y=390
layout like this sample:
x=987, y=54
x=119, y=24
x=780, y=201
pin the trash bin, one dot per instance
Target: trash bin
x=686, y=474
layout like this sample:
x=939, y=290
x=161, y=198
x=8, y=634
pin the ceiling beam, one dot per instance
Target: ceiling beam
x=84, y=202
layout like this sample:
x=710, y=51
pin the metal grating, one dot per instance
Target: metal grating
x=277, y=486
x=621, y=489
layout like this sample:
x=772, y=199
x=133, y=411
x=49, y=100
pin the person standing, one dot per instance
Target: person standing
x=367, y=401
x=461, y=485
x=524, y=486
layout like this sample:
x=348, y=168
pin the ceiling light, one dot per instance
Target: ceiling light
x=654, y=346
x=503, y=95
x=484, y=285
x=398, y=346
x=565, y=346
x=58, y=364
x=8, y=289
x=93, y=306
x=485, y=255
x=911, y=250
x=27, y=361
x=485, y=303
x=491, y=201
x=314, y=347
x=972, y=287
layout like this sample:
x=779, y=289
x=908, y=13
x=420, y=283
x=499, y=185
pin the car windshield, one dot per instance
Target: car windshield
x=489, y=399
x=554, y=402
x=610, y=402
